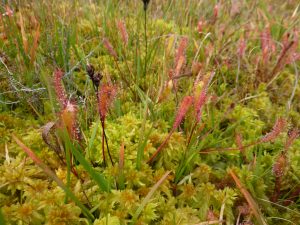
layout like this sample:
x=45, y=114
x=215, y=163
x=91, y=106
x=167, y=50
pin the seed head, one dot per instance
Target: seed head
x=146, y=3
x=95, y=77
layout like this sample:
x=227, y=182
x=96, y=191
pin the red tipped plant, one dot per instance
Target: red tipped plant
x=186, y=103
x=105, y=97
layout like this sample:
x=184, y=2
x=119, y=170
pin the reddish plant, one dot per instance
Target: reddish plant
x=123, y=31
x=185, y=104
x=181, y=50
x=278, y=127
x=59, y=88
x=200, y=94
x=267, y=44
x=241, y=47
x=110, y=48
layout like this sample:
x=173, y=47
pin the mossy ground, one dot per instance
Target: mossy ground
x=218, y=170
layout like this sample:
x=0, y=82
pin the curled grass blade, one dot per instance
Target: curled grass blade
x=148, y=197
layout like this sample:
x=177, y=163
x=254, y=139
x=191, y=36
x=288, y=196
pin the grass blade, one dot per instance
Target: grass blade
x=2, y=220
x=148, y=197
x=256, y=211
x=96, y=176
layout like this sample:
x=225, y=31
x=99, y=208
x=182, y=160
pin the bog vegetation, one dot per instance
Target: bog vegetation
x=168, y=112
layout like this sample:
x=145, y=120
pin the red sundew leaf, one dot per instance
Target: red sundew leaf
x=292, y=136
x=59, y=88
x=280, y=165
x=278, y=127
x=182, y=110
x=123, y=32
x=200, y=96
x=109, y=48
x=241, y=47
x=181, y=50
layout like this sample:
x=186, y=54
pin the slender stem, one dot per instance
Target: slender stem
x=103, y=154
x=146, y=44
x=106, y=142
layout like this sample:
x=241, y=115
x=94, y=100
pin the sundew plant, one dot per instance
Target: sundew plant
x=144, y=112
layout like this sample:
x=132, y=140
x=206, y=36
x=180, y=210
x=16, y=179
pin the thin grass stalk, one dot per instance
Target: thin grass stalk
x=146, y=45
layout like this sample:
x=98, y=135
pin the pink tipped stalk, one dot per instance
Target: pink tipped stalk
x=59, y=88
x=109, y=48
x=182, y=110
x=123, y=32
x=278, y=127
